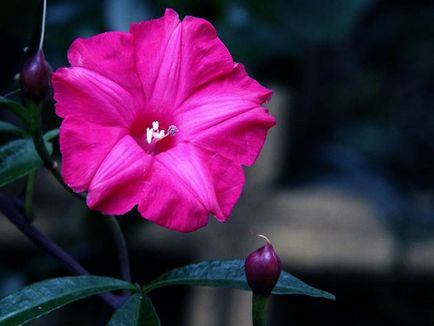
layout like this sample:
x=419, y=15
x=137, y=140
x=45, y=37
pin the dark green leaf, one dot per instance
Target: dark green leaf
x=49, y=135
x=17, y=159
x=16, y=108
x=229, y=274
x=40, y=298
x=137, y=311
x=288, y=284
x=9, y=128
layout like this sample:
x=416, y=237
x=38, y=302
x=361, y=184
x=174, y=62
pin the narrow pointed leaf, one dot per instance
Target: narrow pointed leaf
x=40, y=298
x=49, y=135
x=288, y=284
x=17, y=159
x=15, y=108
x=229, y=274
x=9, y=128
x=137, y=311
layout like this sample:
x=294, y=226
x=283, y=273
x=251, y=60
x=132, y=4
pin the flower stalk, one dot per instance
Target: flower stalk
x=259, y=309
x=121, y=249
x=39, y=142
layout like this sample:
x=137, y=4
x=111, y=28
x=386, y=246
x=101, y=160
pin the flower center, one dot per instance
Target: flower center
x=155, y=134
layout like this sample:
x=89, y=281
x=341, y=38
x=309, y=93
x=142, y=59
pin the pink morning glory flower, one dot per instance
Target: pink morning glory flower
x=159, y=117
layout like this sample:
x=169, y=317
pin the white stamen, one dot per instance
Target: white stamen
x=149, y=135
x=154, y=133
x=158, y=134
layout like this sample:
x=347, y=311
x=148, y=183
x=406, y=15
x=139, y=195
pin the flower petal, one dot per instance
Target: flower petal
x=110, y=54
x=226, y=117
x=116, y=186
x=89, y=96
x=84, y=146
x=228, y=179
x=174, y=58
x=186, y=184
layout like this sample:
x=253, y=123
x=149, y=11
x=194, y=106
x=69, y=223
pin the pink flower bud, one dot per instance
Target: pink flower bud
x=35, y=77
x=262, y=268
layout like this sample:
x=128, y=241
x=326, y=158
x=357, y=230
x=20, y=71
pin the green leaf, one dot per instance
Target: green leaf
x=9, y=128
x=137, y=311
x=288, y=284
x=230, y=274
x=40, y=298
x=49, y=135
x=17, y=159
x=16, y=108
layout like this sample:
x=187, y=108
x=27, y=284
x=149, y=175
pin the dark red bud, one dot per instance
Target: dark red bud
x=263, y=268
x=35, y=78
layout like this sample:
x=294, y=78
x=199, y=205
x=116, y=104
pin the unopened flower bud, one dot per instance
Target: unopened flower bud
x=262, y=268
x=35, y=77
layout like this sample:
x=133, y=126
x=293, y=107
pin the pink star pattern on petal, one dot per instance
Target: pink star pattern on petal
x=159, y=117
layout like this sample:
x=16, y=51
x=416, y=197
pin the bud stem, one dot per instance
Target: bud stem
x=259, y=309
x=41, y=149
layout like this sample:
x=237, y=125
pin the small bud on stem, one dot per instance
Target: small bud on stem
x=263, y=267
x=35, y=77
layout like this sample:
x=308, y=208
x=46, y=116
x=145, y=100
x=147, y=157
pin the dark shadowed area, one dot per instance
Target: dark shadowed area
x=344, y=187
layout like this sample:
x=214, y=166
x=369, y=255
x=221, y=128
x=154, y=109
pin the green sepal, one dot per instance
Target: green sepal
x=50, y=135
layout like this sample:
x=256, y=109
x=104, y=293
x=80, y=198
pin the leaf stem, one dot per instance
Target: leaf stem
x=10, y=208
x=259, y=309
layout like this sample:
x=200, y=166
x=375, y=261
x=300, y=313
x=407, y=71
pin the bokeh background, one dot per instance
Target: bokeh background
x=344, y=186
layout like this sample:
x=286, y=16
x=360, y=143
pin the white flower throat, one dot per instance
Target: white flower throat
x=155, y=134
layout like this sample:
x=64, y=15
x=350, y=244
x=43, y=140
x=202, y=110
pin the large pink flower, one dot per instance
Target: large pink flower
x=160, y=117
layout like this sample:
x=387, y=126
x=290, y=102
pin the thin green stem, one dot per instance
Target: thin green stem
x=41, y=148
x=121, y=248
x=28, y=199
x=38, y=138
x=259, y=309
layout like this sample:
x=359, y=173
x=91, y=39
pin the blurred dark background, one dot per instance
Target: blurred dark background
x=344, y=187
